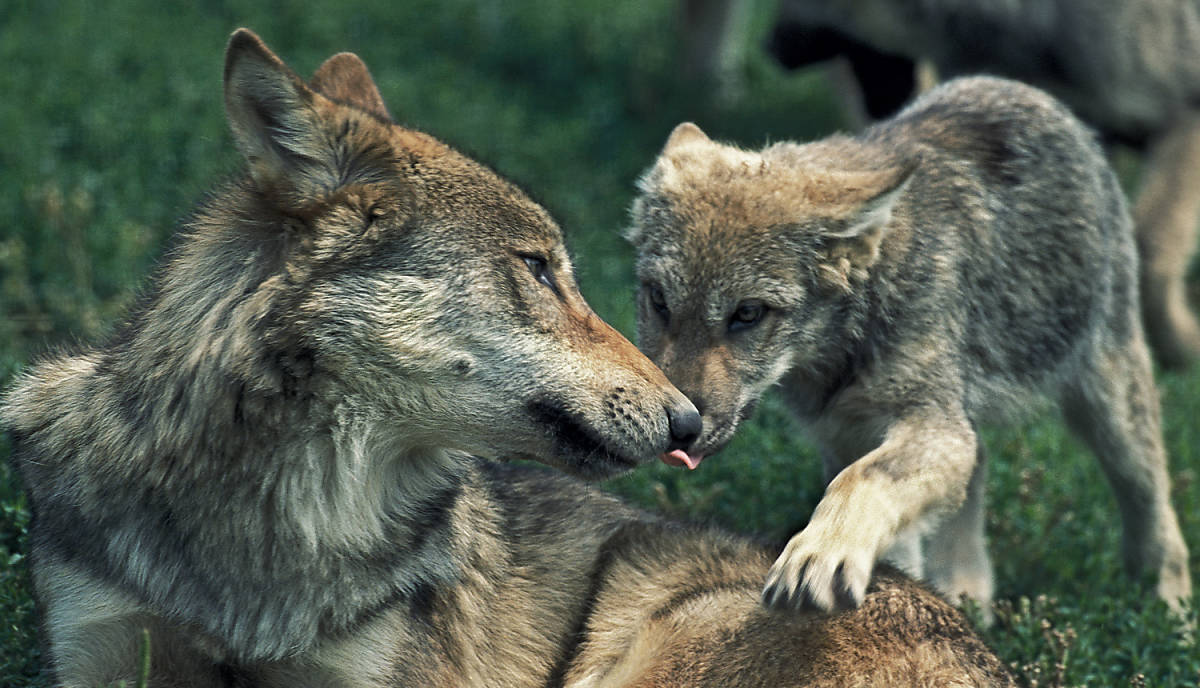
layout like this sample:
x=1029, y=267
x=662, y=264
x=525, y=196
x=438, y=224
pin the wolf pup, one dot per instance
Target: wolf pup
x=270, y=468
x=903, y=286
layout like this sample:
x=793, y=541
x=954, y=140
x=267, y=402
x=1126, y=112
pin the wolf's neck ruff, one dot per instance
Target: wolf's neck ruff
x=324, y=503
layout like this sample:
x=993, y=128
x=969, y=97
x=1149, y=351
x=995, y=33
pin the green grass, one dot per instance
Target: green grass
x=113, y=127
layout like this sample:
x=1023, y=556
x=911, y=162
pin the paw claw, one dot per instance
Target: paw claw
x=777, y=593
x=806, y=580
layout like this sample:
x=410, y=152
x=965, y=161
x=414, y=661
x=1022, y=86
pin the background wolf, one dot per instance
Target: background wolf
x=267, y=466
x=1131, y=68
x=904, y=286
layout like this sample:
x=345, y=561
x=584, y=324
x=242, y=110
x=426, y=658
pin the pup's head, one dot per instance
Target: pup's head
x=752, y=263
x=413, y=284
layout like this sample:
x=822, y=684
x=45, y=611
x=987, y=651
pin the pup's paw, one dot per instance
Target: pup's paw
x=814, y=573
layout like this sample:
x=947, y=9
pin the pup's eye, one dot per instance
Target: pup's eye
x=658, y=301
x=541, y=272
x=747, y=315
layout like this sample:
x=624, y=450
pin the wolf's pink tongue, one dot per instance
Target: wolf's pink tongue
x=679, y=457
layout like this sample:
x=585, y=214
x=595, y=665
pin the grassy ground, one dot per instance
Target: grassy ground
x=113, y=128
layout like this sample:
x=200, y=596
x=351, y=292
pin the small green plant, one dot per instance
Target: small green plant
x=1027, y=623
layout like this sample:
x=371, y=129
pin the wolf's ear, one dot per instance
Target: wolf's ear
x=345, y=77
x=271, y=114
x=852, y=245
x=684, y=134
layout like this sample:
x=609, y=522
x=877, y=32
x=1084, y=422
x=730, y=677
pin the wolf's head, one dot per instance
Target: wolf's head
x=754, y=264
x=394, y=277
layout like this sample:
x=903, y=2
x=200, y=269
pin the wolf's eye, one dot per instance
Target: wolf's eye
x=658, y=301
x=541, y=272
x=747, y=315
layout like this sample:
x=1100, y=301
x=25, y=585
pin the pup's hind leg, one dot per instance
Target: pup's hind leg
x=1113, y=406
x=956, y=557
x=1166, y=215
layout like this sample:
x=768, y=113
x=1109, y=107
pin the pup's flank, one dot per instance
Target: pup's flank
x=904, y=286
x=286, y=464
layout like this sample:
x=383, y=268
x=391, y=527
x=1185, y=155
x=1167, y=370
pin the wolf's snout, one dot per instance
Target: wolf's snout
x=685, y=425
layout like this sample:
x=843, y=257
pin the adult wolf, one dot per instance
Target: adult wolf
x=903, y=286
x=1130, y=68
x=270, y=467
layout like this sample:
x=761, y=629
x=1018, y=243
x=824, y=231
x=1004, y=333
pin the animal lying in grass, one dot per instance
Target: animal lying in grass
x=903, y=286
x=288, y=463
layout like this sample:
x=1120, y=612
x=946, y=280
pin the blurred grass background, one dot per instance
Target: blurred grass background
x=113, y=127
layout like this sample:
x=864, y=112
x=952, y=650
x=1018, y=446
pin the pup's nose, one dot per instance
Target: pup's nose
x=685, y=426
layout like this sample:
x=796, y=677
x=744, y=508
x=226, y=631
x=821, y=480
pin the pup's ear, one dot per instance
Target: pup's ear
x=344, y=77
x=274, y=123
x=852, y=243
x=662, y=175
x=684, y=134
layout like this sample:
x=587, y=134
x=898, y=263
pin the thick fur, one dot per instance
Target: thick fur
x=1131, y=68
x=270, y=466
x=904, y=286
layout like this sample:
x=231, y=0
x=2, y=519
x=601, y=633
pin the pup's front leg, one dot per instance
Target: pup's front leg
x=921, y=468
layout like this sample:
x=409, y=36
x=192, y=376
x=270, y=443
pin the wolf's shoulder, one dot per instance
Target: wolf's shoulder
x=1009, y=131
x=981, y=106
x=986, y=94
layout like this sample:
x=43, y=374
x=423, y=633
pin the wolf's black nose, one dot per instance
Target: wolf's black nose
x=685, y=427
